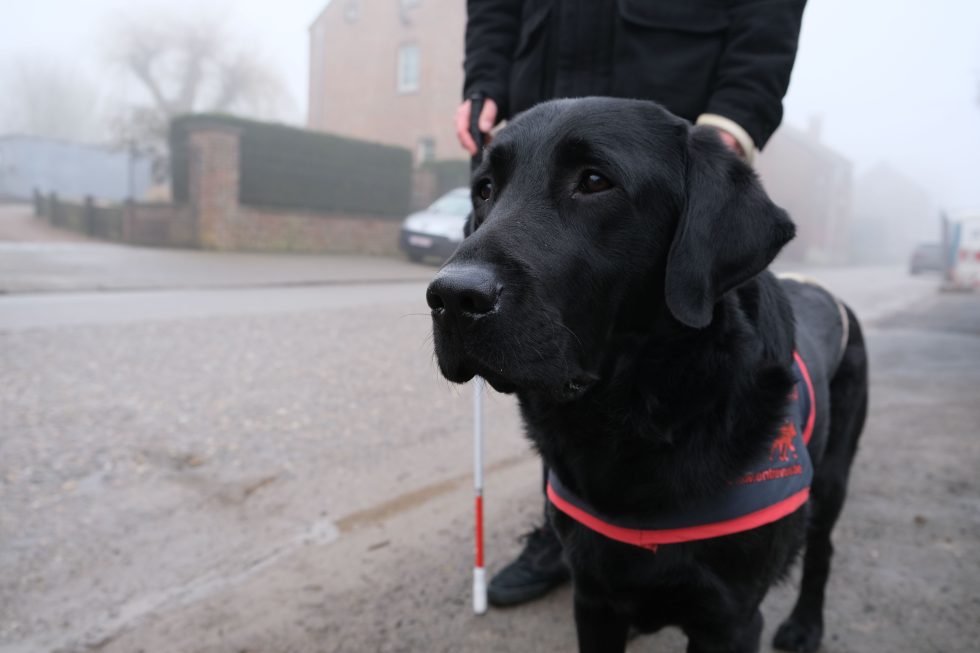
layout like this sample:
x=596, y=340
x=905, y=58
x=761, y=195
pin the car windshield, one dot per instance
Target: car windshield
x=454, y=204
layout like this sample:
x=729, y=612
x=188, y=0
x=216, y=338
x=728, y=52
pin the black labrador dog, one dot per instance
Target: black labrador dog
x=615, y=279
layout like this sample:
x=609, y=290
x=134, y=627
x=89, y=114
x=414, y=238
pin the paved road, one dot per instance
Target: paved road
x=37, y=258
x=54, y=310
x=282, y=469
x=161, y=447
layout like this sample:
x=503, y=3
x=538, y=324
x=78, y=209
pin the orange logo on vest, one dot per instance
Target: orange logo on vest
x=783, y=445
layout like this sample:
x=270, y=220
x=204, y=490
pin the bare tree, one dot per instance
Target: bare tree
x=40, y=97
x=190, y=65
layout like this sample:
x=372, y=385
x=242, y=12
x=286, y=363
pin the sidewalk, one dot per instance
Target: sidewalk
x=36, y=258
x=18, y=224
x=36, y=261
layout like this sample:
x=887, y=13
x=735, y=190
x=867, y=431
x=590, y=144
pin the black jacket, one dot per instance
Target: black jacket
x=728, y=57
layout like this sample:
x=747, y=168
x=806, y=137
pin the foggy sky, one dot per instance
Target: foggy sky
x=892, y=80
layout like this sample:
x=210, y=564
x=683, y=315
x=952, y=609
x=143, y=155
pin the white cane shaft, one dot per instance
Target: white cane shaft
x=479, y=572
x=478, y=433
x=479, y=590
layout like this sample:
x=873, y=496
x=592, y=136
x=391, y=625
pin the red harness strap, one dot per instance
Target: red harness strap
x=776, y=486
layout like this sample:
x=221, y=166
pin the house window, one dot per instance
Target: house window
x=404, y=8
x=352, y=11
x=427, y=150
x=408, y=68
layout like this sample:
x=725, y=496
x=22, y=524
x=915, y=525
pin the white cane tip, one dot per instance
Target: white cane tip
x=479, y=590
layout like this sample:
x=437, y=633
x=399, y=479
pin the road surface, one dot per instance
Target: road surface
x=277, y=467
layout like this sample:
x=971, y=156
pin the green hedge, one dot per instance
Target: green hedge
x=294, y=168
x=449, y=174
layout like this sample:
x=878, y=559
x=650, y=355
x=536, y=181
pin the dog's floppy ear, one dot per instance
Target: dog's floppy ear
x=728, y=231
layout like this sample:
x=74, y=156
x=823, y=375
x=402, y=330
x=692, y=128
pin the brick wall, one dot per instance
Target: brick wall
x=223, y=223
x=159, y=225
x=214, y=218
x=213, y=165
x=257, y=229
x=153, y=225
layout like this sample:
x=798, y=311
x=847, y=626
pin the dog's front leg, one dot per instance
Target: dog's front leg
x=599, y=628
x=732, y=635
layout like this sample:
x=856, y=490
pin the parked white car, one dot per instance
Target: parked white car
x=437, y=231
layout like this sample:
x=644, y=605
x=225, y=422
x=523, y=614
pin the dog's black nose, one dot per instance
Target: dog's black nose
x=464, y=290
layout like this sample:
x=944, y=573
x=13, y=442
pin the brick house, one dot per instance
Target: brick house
x=389, y=71
x=814, y=183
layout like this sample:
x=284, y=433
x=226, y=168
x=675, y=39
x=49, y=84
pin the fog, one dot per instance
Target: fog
x=223, y=426
x=894, y=81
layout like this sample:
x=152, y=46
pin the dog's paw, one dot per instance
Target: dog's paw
x=798, y=636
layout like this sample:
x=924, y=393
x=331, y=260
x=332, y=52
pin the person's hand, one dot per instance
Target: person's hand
x=730, y=142
x=488, y=117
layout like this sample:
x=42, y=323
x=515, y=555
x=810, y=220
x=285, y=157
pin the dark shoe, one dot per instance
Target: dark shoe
x=536, y=571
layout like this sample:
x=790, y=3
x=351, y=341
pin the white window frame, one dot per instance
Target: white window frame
x=352, y=11
x=409, y=68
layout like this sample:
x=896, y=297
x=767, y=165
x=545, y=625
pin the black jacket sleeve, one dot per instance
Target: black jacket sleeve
x=755, y=67
x=492, y=31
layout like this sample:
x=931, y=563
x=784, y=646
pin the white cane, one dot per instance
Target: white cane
x=479, y=572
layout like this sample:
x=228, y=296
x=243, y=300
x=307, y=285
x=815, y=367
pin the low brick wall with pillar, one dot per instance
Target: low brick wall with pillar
x=259, y=229
x=213, y=165
x=222, y=222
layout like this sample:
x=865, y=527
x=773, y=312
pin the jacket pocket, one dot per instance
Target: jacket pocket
x=697, y=17
x=668, y=51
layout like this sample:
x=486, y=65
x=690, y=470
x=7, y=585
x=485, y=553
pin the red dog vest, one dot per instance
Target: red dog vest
x=773, y=487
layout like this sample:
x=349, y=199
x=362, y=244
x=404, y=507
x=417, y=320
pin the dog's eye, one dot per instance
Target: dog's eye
x=484, y=190
x=593, y=182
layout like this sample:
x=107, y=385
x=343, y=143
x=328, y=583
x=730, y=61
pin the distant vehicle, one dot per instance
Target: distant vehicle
x=927, y=256
x=437, y=231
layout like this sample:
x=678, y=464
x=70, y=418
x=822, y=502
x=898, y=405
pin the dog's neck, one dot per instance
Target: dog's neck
x=689, y=407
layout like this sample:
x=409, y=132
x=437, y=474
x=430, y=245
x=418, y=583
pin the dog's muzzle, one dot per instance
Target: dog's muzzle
x=463, y=297
x=479, y=331
x=463, y=293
